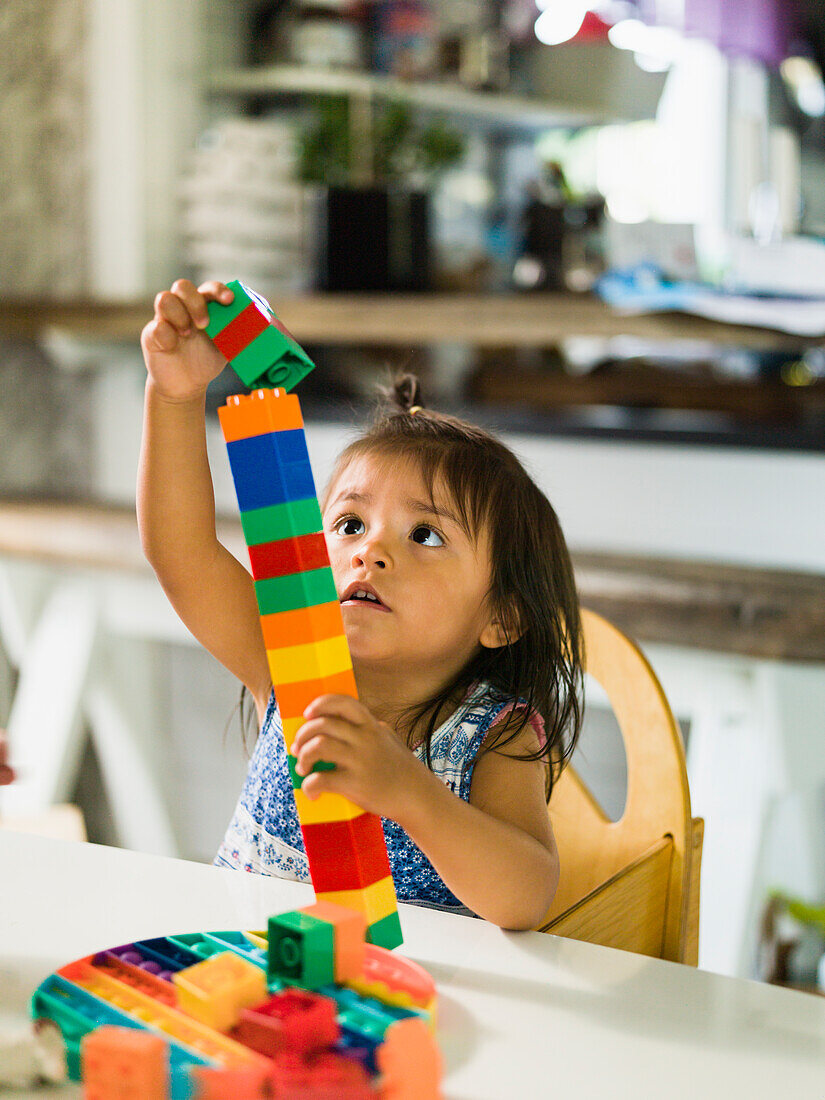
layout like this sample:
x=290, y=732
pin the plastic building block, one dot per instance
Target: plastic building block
x=121, y=1063
x=232, y=1084
x=259, y=347
x=305, y=624
x=394, y=980
x=293, y=1019
x=301, y=949
x=350, y=928
x=409, y=1062
x=290, y=555
x=326, y=1076
x=346, y=855
x=217, y=990
x=291, y=519
x=258, y=413
x=270, y=467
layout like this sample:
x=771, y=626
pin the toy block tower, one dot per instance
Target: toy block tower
x=255, y=342
x=305, y=642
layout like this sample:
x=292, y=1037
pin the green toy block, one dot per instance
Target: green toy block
x=220, y=315
x=297, y=780
x=272, y=359
x=301, y=949
x=282, y=521
x=295, y=590
x=386, y=932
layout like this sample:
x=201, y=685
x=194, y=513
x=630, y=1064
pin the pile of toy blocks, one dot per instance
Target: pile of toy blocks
x=306, y=1011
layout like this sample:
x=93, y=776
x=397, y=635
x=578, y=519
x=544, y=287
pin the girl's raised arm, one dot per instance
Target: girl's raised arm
x=210, y=590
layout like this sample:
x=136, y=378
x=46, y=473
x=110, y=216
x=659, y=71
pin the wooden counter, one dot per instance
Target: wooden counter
x=483, y=320
x=746, y=611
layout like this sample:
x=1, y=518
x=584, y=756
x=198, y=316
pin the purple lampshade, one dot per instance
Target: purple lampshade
x=759, y=29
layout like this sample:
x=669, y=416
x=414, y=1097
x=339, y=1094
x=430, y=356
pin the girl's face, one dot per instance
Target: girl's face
x=413, y=586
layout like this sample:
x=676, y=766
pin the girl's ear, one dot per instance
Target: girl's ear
x=498, y=632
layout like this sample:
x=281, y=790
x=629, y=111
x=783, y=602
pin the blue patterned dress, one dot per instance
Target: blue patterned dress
x=264, y=835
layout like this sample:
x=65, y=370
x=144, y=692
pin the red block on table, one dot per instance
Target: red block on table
x=346, y=855
x=326, y=1076
x=293, y=1020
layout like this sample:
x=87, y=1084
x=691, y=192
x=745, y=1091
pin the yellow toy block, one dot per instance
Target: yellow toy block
x=311, y=661
x=327, y=807
x=375, y=902
x=217, y=990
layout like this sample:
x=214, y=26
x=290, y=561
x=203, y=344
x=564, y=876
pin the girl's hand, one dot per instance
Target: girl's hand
x=6, y=772
x=180, y=358
x=373, y=767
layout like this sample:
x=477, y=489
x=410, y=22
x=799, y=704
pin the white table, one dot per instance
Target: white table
x=521, y=1014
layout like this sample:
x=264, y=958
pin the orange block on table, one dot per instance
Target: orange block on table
x=349, y=938
x=123, y=1063
x=409, y=1062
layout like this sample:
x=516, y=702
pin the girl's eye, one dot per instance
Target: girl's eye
x=349, y=525
x=427, y=536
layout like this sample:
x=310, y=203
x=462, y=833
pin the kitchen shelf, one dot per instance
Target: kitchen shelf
x=492, y=107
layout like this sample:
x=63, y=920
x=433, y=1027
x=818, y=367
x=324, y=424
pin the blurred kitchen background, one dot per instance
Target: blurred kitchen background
x=598, y=228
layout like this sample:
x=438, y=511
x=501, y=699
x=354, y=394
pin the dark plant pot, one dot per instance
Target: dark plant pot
x=372, y=238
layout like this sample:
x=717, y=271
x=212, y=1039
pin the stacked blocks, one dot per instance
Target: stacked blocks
x=255, y=342
x=305, y=642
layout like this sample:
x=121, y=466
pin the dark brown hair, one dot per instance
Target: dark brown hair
x=532, y=589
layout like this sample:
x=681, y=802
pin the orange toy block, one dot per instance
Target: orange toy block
x=305, y=624
x=293, y=699
x=122, y=1063
x=239, y=1084
x=349, y=939
x=409, y=1062
x=258, y=413
x=218, y=989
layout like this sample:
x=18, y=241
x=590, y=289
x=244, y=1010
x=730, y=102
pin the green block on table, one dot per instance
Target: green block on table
x=386, y=932
x=272, y=359
x=301, y=949
x=295, y=590
x=289, y=520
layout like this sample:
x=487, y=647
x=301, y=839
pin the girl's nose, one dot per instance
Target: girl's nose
x=371, y=554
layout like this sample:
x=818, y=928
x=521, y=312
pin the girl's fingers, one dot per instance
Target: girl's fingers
x=331, y=727
x=160, y=336
x=216, y=292
x=338, y=706
x=171, y=308
x=322, y=783
x=193, y=301
x=318, y=748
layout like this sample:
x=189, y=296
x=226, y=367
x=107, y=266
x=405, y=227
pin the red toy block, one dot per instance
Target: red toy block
x=239, y=1084
x=285, y=556
x=346, y=855
x=292, y=1020
x=409, y=1062
x=326, y=1076
x=350, y=933
x=241, y=331
x=123, y=1063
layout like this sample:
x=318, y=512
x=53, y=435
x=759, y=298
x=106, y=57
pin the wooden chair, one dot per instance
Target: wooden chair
x=633, y=883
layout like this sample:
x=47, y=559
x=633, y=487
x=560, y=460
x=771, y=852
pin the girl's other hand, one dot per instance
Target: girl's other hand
x=373, y=767
x=6, y=772
x=180, y=358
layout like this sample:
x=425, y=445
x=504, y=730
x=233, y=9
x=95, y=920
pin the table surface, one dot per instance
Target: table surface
x=520, y=1014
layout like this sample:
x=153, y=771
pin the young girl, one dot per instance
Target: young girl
x=460, y=610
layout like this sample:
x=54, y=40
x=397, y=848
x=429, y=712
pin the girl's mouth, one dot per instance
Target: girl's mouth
x=363, y=595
